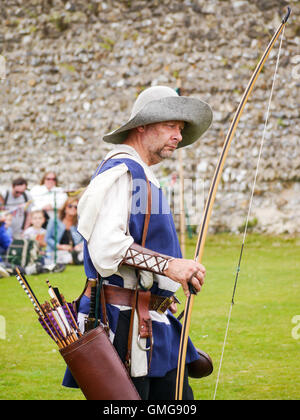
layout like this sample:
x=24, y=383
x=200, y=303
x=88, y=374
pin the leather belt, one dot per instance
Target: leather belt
x=119, y=296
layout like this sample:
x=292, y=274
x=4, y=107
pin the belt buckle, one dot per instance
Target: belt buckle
x=164, y=305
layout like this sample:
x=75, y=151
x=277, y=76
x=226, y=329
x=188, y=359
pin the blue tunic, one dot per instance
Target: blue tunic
x=162, y=238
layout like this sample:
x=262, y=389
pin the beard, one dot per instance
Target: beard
x=158, y=155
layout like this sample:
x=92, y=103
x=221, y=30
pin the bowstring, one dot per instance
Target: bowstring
x=248, y=216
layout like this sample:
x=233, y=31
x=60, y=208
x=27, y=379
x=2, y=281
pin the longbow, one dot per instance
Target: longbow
x=209, y=205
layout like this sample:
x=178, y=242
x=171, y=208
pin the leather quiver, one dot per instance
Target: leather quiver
x=97, y=368
x=201, y=367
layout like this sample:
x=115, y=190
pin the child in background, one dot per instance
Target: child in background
x=36, y=231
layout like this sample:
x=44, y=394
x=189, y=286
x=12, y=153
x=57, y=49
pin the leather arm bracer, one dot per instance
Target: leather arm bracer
x=146, y=259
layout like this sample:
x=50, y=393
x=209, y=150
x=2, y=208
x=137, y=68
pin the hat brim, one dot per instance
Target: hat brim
x=196, y=114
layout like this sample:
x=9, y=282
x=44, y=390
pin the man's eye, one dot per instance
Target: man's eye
x=174, y=126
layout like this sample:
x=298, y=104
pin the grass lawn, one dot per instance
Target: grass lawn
x=261, y=359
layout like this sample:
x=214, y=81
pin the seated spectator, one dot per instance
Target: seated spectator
x=68, y=243
x=5, y=237
x=36, y=231
x=48, y=195
x=5, y=241
x=28, y=257
x=7, y=221
x=18, y=201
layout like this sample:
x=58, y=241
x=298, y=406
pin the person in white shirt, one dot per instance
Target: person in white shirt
x=18, y=201
x=48, y=195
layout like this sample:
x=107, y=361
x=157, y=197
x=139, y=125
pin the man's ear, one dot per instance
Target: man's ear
x=141, y=128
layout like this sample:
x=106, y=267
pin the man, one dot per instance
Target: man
x=18, y=201
x=131, y=241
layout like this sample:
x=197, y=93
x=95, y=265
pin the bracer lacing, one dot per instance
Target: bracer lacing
x=146, y=259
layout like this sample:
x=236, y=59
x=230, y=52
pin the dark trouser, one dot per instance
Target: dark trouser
x=162, y=388
x=149, y=388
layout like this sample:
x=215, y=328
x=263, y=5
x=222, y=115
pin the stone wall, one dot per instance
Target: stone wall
x=74, y=68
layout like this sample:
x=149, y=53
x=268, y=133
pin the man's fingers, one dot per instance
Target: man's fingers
x=185, y=288
x=201, y=269
x=187, y=272
x=200, y=276
x=196, y=280
x=173, y=307
x=195, y=283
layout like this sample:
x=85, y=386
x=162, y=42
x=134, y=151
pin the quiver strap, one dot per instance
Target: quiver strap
x=141, y=304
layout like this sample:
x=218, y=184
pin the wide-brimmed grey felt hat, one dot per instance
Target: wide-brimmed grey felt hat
x=162, y=103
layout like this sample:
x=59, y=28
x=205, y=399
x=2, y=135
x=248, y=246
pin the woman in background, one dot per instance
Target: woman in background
x=68, y=243
x=48, y=195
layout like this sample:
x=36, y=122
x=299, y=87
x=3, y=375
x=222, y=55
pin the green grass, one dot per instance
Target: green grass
x=30, y=366
x=261, y=358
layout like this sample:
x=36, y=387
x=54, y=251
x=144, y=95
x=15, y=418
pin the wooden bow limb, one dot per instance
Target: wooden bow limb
x=209, y=205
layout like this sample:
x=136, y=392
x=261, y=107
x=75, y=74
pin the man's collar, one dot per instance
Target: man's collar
x=130, y=150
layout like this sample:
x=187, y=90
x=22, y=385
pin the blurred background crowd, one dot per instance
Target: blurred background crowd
x=38, y=227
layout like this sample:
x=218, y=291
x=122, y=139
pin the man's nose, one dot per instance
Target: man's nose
x=178, y=134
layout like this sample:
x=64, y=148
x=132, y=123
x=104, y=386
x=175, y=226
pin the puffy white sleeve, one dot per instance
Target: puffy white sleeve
x=108, y=240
